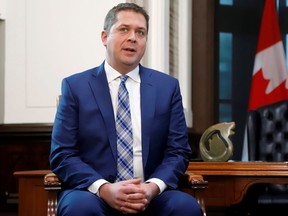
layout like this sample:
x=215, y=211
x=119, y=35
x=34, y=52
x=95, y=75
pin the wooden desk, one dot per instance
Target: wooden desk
x=33, y=198
x=228, y=182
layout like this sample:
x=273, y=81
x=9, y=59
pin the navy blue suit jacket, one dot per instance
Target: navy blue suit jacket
x=83, y=147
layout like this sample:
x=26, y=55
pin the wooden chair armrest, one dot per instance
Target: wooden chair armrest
x=52, y=182
x=195, y=184
x=195, y=181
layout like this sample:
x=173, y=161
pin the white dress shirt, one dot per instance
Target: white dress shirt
x=133, y=87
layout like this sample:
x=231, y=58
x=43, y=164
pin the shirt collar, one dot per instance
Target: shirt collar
x=112, y=74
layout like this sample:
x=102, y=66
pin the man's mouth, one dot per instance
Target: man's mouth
x=130, y=49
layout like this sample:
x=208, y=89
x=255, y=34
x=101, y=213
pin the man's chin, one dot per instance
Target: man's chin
x=131, y=63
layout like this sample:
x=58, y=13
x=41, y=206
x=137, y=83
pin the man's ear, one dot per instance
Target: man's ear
x=104, y=36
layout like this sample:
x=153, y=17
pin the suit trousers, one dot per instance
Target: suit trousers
x=168, y=203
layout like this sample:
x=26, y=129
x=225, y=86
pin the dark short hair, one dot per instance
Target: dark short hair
x=111, y=16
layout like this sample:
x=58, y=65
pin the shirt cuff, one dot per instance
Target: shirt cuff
x=162, y=186
x=94, y=188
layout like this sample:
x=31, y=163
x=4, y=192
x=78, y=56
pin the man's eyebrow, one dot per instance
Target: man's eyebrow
x=126, y=25
x=142, y=28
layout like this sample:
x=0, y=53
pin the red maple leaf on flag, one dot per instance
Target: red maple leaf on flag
x=259, y=88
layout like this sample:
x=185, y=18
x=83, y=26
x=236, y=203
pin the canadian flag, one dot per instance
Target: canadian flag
x=269, y=81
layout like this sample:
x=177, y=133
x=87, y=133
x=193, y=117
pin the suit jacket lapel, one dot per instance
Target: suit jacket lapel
x=148, y=95
x=100, y=88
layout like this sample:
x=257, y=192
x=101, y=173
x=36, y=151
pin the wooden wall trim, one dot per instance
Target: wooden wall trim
x=25, y=128
x=203, y=75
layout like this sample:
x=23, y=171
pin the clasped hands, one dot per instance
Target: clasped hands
x=130, y=196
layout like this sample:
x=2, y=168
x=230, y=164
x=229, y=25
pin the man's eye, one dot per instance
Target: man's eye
x=141, y=33
x=123, y=29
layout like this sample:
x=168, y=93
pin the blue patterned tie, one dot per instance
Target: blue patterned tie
x=124, y=134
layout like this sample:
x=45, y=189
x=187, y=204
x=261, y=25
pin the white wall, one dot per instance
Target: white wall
x=185, y=56
x=2, y=9
x=46, y=41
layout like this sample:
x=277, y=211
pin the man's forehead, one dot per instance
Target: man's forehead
x=124, y=18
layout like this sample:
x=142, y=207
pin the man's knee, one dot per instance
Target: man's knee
x=185, y=204
x=78, y=202
x=175, y=203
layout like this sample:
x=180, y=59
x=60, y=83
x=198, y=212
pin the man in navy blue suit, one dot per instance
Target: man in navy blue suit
x=84, y=144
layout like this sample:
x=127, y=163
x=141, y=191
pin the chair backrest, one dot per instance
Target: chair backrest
x=267, y=129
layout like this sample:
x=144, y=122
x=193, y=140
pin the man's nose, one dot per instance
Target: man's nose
x=132, y=36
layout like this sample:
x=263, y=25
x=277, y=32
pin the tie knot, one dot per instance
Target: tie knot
x=124, y=78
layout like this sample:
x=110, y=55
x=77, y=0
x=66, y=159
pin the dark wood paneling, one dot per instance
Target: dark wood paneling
x=22, y=147
x=194, y=139
x=203, y=72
